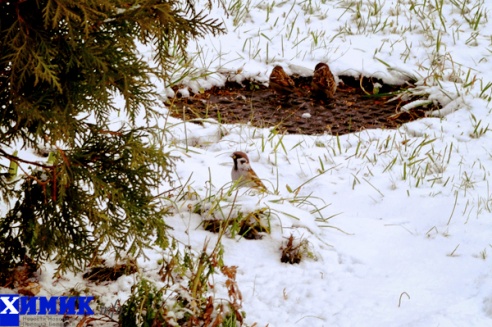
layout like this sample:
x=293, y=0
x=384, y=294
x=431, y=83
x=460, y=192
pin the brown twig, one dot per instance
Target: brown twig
x=48, y=167
x=17, y=159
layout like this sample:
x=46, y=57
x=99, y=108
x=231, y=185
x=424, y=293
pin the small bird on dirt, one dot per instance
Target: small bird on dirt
x=281, y=83
x=243, y=173
x=323, y=85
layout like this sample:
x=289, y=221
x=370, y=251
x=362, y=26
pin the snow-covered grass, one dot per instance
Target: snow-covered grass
x=396, y=223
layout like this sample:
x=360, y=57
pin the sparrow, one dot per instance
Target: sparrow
x=243, y=173
x=323, y=84
x=281, y=83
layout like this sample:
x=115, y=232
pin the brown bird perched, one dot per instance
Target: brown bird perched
x=281, y=83
x=243, y=174
x=323, y=84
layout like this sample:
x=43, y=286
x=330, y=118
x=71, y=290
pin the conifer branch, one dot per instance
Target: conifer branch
x=18, y=159
x=60, y=62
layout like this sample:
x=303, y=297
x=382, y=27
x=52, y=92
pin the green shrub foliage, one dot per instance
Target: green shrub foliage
x=61, y=62
x=144, y=307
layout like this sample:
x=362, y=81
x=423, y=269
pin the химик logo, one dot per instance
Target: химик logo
x=13, y=305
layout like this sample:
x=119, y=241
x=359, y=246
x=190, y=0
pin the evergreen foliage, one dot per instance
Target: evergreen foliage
x=62, y=61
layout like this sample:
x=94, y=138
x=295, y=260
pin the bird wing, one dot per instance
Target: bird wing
x=281, y=78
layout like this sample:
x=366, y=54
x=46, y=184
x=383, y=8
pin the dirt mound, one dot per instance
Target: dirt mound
x=354, y=108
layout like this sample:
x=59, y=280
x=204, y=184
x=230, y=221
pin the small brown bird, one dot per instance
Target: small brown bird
x=281, y=83
x=243, y=174
x=323, y=85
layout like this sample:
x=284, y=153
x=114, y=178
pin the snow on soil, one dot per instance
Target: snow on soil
x=409, y=232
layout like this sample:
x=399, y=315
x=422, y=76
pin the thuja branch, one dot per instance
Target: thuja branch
x=40, y=182
x=18, y=159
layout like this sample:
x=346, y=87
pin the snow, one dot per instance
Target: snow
x=408, y=213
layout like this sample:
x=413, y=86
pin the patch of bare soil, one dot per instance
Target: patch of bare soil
x=353, y=109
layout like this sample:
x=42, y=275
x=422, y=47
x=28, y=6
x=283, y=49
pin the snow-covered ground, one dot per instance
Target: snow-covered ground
x=398, y=222
x=410, y=232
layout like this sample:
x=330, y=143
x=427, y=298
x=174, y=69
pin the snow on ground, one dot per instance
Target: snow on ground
x=408, y=240
x=408, y=237
x=399, y=254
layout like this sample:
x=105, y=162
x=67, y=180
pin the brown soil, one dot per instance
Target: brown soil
x=354, y=108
